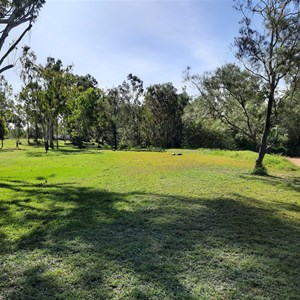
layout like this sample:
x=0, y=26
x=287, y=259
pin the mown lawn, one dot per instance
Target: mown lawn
x=96, y=224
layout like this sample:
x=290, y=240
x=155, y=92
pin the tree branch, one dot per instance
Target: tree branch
x=13, y=46
x=6, y=68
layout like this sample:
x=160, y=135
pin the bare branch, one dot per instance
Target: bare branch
x=13, y=46
x=6, y=68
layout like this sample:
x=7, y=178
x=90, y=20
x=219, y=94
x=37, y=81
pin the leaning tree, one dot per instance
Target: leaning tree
x=15, y=13
x=268, y=46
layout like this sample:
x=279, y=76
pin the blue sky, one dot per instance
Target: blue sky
x=155, y=40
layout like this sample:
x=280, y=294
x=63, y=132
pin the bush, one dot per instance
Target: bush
x=260, y=171
x=196, y=135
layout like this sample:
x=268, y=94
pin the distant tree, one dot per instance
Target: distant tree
x=163, y=115
x=3, y=130
x=268, y=45
x=202, y=130
x=290, y=124
x=103, y=121
x=85, y=82
x=14, y=13
x=131, y=92
x=113, y=107
x=46, y=90
x=6, y=107
x=30, y=96
x=17, y=120
x=55, y=84
x=82, y=118
x=233, y=97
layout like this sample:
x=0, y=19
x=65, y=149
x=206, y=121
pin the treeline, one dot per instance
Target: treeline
x=57, y=104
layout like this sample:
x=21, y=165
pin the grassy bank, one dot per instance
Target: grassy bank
x=92, y=224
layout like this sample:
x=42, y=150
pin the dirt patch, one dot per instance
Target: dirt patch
x=295, y=161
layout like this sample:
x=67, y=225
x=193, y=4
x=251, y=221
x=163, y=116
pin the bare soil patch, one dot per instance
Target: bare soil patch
x=295, y=160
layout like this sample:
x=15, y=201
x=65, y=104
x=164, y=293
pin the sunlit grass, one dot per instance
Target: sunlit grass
x=99, y=224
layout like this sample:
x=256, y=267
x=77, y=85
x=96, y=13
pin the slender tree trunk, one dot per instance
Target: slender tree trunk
x=1, y=143
x=266, y=132
x=35, y=128
x=115, y=138
x=138, y=132
x=64, y=124
x=44, y=129
x=57, y=134
x=50, y=133
x=28, y=133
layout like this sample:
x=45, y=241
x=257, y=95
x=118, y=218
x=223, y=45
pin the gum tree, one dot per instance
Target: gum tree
x=233, y=97
x=268, y=46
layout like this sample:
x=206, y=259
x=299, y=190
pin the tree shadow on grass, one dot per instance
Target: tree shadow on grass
x=63, y=151
x=4, y=150
x=287, y=183
x=93, y=244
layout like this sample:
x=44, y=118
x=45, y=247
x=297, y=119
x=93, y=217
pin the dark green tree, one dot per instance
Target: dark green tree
x=113, y=106
x=164, y=108
x=290, y=124
x=131, y=93
x=82, y=118
x=202, y=130
x=3, y=130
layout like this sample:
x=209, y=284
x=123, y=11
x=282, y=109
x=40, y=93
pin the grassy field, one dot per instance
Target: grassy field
x=95, y=224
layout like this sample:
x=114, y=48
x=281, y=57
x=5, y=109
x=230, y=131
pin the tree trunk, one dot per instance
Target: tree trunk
x=35, y=128
x=64, y=133
x=115, y=139
x=50, y=133
x=267, y=128
x=28, y=133
x=1, y=143
x=57, y=134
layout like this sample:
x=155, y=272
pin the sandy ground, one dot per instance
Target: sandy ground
x=295, y=161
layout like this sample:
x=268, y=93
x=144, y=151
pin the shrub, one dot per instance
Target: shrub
x=260, y=171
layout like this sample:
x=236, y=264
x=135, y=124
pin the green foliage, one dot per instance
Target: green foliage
x=3, y=130
x=131, y=93
x=232, y=96
x=260, y=171
x=164, y=108
x=82, y=118
x=6, y=108
x=197, y=135
x=45, y=93
x=290, y=124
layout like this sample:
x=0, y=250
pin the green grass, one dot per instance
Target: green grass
x=98, y=224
